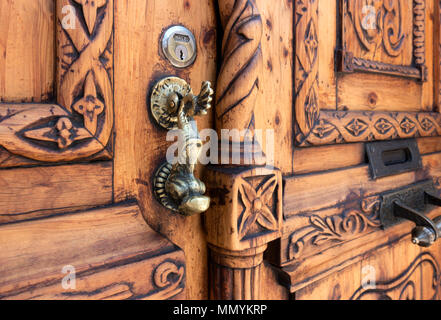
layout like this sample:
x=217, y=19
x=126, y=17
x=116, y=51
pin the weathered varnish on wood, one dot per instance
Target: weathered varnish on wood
x=27, y=193
x=113, y=252
x=382, y=277
x=27, y=45
x=77, y=140
x=246, y=209
x=80, y=124
x=140, y=144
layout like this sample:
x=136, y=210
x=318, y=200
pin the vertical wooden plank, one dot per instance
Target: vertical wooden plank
x=27, y=50
x=140, y=143
x=275, y=105
x=27, y=193
x=437, y=52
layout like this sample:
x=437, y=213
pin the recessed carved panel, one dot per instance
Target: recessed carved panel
x=384, y=36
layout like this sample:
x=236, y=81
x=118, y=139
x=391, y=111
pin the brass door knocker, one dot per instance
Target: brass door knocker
x=174, y=105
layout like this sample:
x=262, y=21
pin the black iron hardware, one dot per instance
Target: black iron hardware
x=388, y=158
x=412, y=203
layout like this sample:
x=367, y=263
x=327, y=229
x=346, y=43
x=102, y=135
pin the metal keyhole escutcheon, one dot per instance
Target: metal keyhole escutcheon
x=179, y=46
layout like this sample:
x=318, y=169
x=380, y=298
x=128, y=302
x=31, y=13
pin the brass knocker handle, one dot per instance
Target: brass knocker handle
x=427, y=231
x=174, y=105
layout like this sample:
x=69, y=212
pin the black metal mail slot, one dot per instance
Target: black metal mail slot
x=387, y=158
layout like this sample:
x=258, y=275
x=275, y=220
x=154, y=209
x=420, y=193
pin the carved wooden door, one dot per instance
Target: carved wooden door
x=79, y=148
x=296, y=202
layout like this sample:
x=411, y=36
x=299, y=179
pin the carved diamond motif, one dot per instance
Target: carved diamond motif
x=356, y=127
x=323, y=129
x=426, y=124
x=311, y=42
x=407, y=125
x=383, y=126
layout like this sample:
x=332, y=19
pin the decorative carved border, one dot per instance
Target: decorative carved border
x=80, y=125
x=418, y=70
x=315, y=127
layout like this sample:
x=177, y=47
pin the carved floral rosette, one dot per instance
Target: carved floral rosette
x=246, y=205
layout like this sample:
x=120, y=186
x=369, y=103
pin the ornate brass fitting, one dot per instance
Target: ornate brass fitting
x=174, y=105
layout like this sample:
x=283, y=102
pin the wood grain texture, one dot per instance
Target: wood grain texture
x=121, y=259
x=303, y=273
x=141, y=144
x=382, y=32
x=324, y=158
x=274, y=107
x=27, y=45
x=80, y=124
x=27, y=193
x=398, y=272
x=235, y=275
x=308, y=193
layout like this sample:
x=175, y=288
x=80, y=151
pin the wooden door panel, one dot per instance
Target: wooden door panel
x=79, y=124
x=49, y=190
x=27, y=43
x=342, y=96
x=56, y=155
x=140, y=144
x=398, y=272
x=114, y=255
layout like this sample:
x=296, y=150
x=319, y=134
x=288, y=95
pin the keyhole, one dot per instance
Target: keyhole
x=181, y=52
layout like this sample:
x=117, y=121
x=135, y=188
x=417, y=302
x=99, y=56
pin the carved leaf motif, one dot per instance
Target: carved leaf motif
x=90, y=8
x=336, y=228
x=311, y=42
